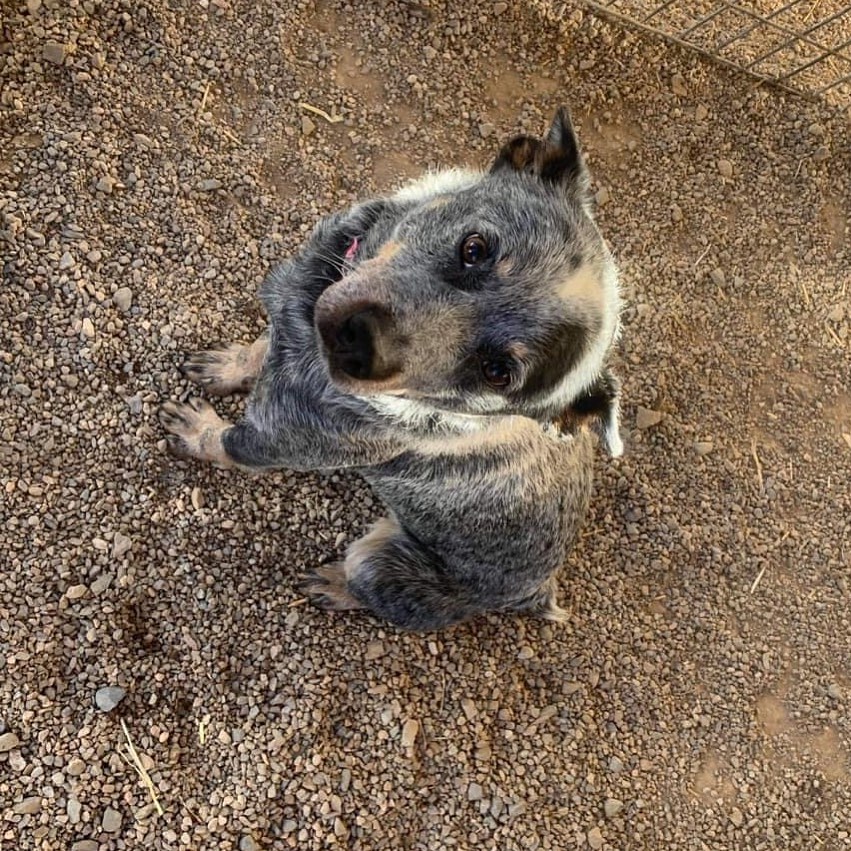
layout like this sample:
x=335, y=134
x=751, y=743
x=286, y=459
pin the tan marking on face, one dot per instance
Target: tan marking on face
x=389, y=250
x=504, y=267
x=584, y=286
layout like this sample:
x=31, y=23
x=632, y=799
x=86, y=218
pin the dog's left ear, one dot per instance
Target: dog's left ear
x=556, y=159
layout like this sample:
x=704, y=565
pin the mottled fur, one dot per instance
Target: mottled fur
x=459, y=390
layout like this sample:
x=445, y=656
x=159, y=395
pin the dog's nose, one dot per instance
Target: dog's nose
x=363, y=345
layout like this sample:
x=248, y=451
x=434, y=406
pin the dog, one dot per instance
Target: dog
x=451, y=342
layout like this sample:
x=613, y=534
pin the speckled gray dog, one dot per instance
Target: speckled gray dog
x=450, y=343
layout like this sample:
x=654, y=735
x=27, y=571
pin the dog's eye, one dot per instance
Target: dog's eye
x=497, y=373
x=474, y=249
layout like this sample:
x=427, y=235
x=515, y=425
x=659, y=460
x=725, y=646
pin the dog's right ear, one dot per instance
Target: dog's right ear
x=556, y=159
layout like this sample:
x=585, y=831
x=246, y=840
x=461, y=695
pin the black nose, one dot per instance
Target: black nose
x=363, y=345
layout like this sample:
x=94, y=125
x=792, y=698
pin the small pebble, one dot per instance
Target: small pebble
x=85, y=845
x=612, y=806
x=106, y=184
x=703, y=447
x=210, y=185
x=8, y=741
x=29, y=806
x=718, y=277
x=121, y=544
x=308, y=126
x=75, y=592
x=595, y=838
x=111, y=821
x=76, y=767
x=409, y=733
x=88, y=328
x=108, y=697
x=475, y=792
x=678, y=85
x=737, y=817
x=247, y=843
x=701, y=113
x=647, y=418
x=197, y=498
x=725, y=168
x=486, y=129
x=123, y=298
x=54, y=52
x=602, y=197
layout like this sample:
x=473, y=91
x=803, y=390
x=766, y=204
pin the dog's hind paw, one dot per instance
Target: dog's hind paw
x=194, y=431
x=326, y=587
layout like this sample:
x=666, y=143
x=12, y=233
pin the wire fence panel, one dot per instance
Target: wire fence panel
x=802, y=45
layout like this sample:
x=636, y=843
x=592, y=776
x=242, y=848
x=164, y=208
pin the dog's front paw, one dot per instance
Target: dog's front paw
x=222, y=371
x=194, y=431
x=326, y=587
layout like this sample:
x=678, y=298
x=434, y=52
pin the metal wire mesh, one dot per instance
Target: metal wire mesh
x=803, y=45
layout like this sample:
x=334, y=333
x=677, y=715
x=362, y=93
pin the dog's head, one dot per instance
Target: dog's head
x=495, y=292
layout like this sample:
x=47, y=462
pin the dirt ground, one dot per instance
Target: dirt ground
x=156, y=156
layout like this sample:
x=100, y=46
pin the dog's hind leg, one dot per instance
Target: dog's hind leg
x=231, y=368
x=543, y=603
x=395, y=577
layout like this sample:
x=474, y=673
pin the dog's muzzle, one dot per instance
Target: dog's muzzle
x=361, y=343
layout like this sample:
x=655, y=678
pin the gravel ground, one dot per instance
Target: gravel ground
x=154, y=160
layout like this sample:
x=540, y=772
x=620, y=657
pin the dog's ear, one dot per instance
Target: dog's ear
x=556, y=159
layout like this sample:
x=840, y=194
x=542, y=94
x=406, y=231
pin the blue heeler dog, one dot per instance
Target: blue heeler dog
x=449, y=342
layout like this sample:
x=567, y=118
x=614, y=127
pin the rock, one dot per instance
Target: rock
x=197, y=498
x=121, y=544
x=75, y=767
x=66, y=261
x=595, y=838
x=123, y=298
x=469, y=708
x=108, y=697
x=106, y=184
x=475, y=792
x=486, y=129
x=834, y=691
x=308, y=127
x=85, y=845
x=33, y=6
x=499, y=8
x=647, y=418
x=703, y=447
x=718, y=277
x=409, y=733
x=725, y=168
x=821, y=153
x=701, y=113
x=737, y=817
x=54, y=52
x=602, y=197
x=209, y=185
x=111, y=821
x=247, y=843
x=837, y=313
x=8, y=742
x=678, y=85
x=374, y=650
x=76, y=592
x=29, y=806
x=101, y=583
x=676, y=213
x=430, y=53
x=612, y=806
x=88, y=328
x=615, y=765
x=74, y=810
